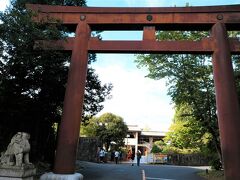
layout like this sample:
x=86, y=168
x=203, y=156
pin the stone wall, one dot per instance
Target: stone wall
x=188, y=159
x=87, y=149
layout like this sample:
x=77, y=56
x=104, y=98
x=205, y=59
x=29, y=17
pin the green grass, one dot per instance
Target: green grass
x=212, y=175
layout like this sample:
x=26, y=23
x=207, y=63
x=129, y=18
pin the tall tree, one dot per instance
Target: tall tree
x=108, y=128
x=186, y=133
x=32, y=82
x=190, y=81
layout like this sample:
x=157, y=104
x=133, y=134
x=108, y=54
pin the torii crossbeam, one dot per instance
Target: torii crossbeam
x=83, y=20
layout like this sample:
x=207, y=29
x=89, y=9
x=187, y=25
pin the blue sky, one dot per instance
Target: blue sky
x=157, y=3
x=139, y=100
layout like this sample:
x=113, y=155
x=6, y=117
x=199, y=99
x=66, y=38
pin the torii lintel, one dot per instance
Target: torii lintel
x=163, y=18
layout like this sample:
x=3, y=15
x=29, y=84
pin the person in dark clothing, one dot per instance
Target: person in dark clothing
x=120, y=156
x=139, y=155
x=112, y=156
x=132, y=157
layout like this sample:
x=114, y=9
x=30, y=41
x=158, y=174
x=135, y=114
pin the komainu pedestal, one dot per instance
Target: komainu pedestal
x=25, y=172
x=14, y=162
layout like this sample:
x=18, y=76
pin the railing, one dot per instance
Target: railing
x=146, y=144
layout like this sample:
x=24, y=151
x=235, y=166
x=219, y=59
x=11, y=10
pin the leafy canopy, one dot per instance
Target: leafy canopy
x=109, y=128
x=32, y=82
x=190, y=85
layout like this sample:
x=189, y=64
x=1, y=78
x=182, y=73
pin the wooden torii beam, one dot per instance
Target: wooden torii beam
x=204, y=46
x=83, y=20
x=171, y=18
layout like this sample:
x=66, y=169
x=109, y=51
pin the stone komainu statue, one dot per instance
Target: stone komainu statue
x=17, y=152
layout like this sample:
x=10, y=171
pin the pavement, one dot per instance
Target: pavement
x=124, y=171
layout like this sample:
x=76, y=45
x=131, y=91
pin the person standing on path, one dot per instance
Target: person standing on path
x=116, y=156
x=139, y=155
x=101, y=155
x=132, y=157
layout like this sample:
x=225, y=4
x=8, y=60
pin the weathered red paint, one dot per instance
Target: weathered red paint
x=149, y=46
x=204, y=46
x=184, y=18
x=73, y=102
x=149, y=33
x=148, y=20
x=227, y=103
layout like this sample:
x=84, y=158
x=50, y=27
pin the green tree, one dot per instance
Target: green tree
x=108, y=128
x=190, y=81
x=155, y=149
x=185, y=134
x=32, y=82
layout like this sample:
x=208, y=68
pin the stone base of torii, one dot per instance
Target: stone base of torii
x=52, y=176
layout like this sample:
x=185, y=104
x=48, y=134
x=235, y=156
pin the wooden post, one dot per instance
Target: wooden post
x=70, y=125
x=149, y=33
x=227, y=103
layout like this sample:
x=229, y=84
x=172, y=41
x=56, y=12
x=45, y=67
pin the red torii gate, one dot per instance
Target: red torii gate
x=83, y=20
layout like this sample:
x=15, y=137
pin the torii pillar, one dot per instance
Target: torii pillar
x=228, y=110
x=64, y=167
x=73, y=103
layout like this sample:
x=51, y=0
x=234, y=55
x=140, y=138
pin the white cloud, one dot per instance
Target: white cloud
x=137, y=99
x=3, y=4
